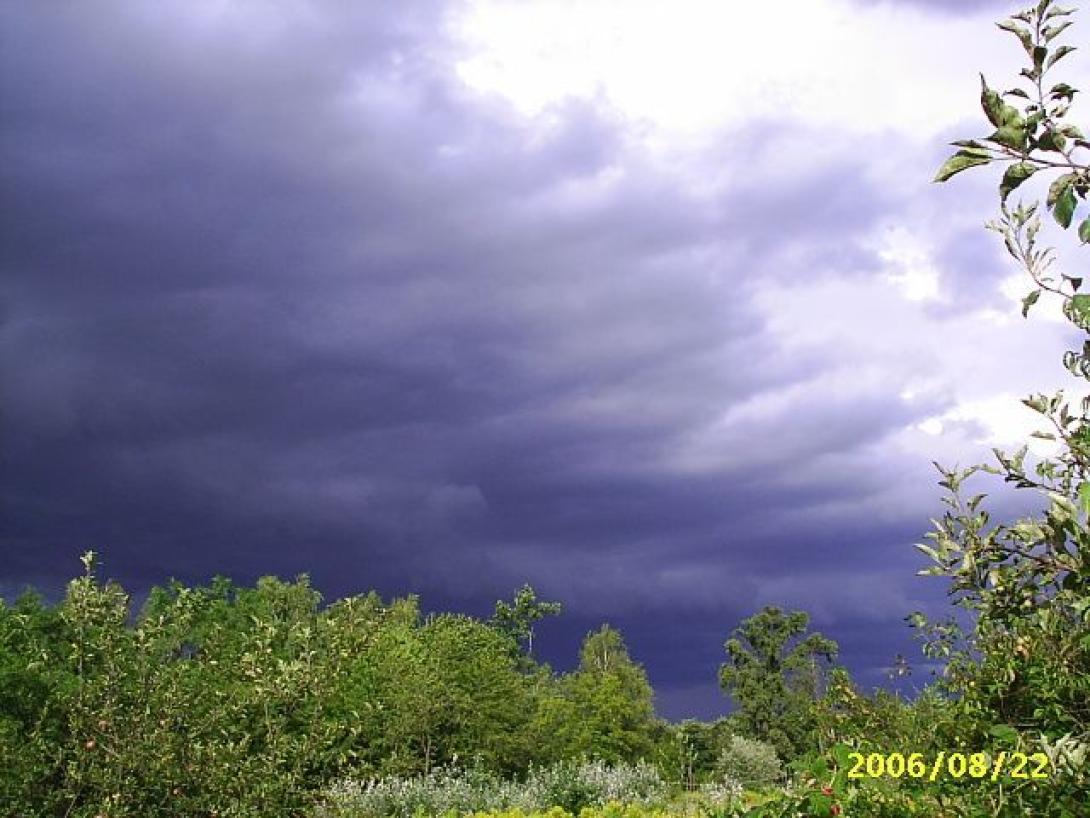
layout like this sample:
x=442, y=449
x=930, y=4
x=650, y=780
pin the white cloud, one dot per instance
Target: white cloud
x=695, y=65
x=912, y=270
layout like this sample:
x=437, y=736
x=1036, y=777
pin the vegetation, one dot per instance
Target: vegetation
x=231, y=701
x=774, y=674
x=572, y=786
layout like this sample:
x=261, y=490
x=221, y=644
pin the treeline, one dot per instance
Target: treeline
x=251, y=701
x=247, y=701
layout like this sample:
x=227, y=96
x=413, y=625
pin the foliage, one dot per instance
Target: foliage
x=688, y=751
x=748, y=762
x=249, y=701
x=881, y=720
x=613, y=810
x=1028, y=583
x=1023, y=669
x=774, y=674
x=568, y=785
x=517, y=619
x=605, y=708
x=1038, y=137
x=445, y=688
x=186, y=711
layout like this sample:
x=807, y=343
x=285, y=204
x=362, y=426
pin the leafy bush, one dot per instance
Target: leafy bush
x=568, y=785
x=573, y=785
x=750, y=763
x=439, y=792
x=612, y=810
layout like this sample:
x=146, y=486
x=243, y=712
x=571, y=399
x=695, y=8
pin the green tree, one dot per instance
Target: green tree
x=212, y=700
x=443, y=689
x=690, y=750
x=1022, y=671
x=605, y=708
x=1027, y=583
x=33, y=721
x=774, y=674
x=517, y=619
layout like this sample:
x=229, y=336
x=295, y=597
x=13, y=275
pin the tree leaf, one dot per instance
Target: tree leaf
x=1057, y=187
x=1029, y=301
x=1010, y=136
x=960, y=161
x=1052, y=141
x=1052, y=32
x=1064, y=208
x=1062, y=90
x=1021, y=33
x=1059, y=54
x=1080, y=305
x=1084, y=497
x=997, y=111
x=1084, y=232
x=1016, y=174
x=1056, y=11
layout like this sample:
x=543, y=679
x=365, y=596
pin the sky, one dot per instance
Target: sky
x=651, y=305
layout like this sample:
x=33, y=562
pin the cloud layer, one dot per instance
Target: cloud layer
x=286, y=289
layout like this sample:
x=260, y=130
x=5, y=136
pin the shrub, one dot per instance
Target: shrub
x=750, y=763
x=571, y=786
x=574, y=785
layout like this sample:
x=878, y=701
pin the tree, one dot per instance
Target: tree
x=773, y=674
x=1023, y=667
x=517, y=619
x=448, y=688
x=1028, y=583
x=691, y=749
x=607, y=710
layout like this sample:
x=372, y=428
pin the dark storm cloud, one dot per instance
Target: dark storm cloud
x=280, y=295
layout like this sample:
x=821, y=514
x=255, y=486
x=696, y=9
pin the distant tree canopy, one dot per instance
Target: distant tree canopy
x=231, y=699
x=517, y=619
x=774, y=673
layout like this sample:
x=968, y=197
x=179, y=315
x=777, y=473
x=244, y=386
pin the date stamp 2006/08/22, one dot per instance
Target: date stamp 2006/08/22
x=1013, y=765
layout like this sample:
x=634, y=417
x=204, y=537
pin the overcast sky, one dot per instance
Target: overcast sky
x=649, y=304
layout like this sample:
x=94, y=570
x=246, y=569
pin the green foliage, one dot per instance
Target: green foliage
x=1026, y=138
x=1027, y=583
x=775, y=675
x=517, y=619
x=249, y=701
x=605, y=708
x=690, y=750
x=212, y=700
x=447, y=687
x=234, y=700
x=571, y=786
x=751, y=763
x=1022, y=670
